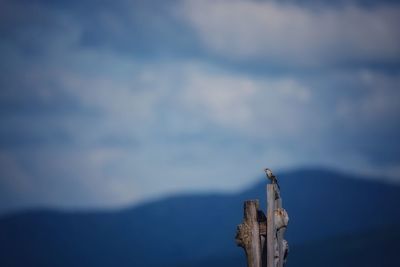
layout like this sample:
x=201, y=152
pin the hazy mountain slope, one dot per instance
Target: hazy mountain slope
x=378, y=247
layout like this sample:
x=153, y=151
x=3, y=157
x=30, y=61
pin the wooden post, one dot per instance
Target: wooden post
x=271, y=231
x=280, y=225
x=248, y=234
x=263, y=237
x=280, y=220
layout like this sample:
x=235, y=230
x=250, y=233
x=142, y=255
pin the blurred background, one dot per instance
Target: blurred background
x=132, y=131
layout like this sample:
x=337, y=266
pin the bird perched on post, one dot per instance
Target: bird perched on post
x=271, y=177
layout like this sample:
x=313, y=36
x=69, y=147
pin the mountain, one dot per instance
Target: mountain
x=189, y=230
x=376, y=247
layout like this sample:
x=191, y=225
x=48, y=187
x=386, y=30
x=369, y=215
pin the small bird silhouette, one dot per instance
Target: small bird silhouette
x=271, y=177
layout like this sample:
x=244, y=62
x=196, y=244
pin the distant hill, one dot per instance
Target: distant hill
x=377, y=247
x=188, y=230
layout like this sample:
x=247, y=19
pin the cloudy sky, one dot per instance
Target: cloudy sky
x=110, y=103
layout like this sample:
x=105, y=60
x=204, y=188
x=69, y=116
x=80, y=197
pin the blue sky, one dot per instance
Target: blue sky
x=110, y=103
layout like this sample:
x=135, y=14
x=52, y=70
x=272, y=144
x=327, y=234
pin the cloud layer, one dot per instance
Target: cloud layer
x=108, y=105
x=296, y=35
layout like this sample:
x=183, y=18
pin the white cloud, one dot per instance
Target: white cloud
x=15, y=179
x=253, y=106
x=194, y=126
x=377, y=101
x=154, y=104
x=286, y=34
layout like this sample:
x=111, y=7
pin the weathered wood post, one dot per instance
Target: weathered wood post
x=263, y=237
x=248, y=234
x=271, y=237
x=277, y=221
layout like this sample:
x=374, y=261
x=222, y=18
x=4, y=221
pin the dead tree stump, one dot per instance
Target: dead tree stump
x=262, y=237
x=248, y=234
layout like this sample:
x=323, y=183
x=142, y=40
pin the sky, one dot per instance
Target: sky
x=106, y=104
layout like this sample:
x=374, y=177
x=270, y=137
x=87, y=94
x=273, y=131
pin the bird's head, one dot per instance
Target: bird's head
x=268, y=172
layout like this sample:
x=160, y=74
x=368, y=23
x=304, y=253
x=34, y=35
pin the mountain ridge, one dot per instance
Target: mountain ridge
x=193, y=228
x=259, y=183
